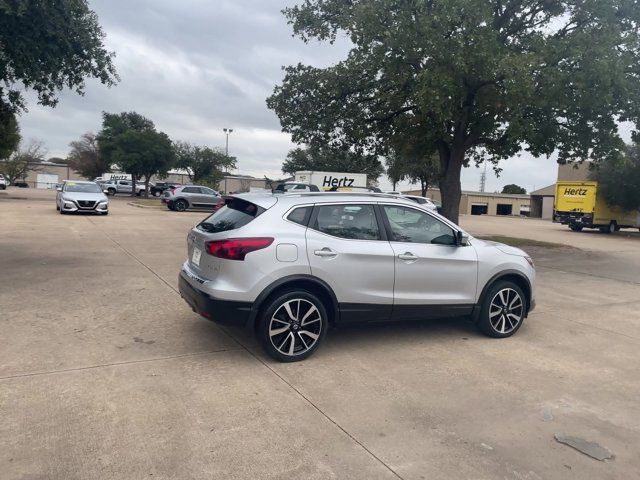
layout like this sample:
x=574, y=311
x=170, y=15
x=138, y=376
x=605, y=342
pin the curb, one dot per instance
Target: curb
x=133, y=204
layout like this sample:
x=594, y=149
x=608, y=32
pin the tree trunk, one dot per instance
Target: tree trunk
x=146, y=187
x=450, y=190
x=133, y=185
x=424, y=186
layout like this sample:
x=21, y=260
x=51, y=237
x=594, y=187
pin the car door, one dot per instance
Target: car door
x=209, y=197
x=124, y=186
x=347, y=248
x=434, y=277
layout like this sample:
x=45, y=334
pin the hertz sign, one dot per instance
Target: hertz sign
x=575, y=192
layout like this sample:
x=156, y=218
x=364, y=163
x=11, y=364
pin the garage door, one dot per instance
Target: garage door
x=479, y=208
x=46, y=180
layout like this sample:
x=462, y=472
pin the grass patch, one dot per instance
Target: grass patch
x=523, y=242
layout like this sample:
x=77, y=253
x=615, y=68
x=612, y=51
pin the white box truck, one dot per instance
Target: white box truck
x=328, y=180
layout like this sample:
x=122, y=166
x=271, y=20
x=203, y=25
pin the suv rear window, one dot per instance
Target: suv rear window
x=235, y=214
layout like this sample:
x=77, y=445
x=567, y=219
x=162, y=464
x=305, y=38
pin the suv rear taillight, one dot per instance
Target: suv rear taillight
x=236, y=248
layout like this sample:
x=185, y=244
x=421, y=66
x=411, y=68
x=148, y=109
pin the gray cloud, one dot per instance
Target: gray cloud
x=195, y=67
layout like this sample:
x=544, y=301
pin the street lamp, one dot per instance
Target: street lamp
x=227, y=131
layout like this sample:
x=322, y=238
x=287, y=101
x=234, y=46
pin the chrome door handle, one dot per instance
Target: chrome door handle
x=407, y=256
x=325, y=252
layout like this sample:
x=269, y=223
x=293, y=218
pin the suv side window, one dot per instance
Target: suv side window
x=208, y=191
x=357, y=222
x=300, y=215
x=191, y=190
x=413, y=226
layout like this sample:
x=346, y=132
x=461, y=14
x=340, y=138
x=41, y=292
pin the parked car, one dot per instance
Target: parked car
x=80, y=196
x=426, y=202
x=113, y=187
x=3, y=182
x=190, y=196
x=289, y=266
x=159, y=188
x=294, y=187
x=21, y=184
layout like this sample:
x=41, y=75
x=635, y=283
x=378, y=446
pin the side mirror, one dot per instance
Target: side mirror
x=462, y=239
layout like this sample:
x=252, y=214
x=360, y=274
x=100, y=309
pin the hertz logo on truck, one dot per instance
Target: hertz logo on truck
x=575, y=192
x=331, y=181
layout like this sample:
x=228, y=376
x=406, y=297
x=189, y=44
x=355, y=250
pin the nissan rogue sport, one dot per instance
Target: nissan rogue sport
x=289, y=266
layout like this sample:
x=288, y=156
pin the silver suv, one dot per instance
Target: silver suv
x=291, y=265
x=190, y=196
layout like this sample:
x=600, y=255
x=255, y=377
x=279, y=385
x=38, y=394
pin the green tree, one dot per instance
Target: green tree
x=619, y=179
x=413, y=161
x=85, y=158
x=318, y=158
x=514, y=189
x=131, y=142
x=9, y=132
x=204, y=165
x=471, y=79
x=47, y=46
x=24, y=160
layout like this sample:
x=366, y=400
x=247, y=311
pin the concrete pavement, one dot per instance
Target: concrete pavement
x=105, y=372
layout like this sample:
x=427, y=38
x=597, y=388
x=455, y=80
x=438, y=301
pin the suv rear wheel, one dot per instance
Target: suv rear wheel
x=292, y=325
x=503, y=310
x=180, y=205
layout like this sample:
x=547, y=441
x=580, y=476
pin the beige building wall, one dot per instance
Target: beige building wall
x=574, y=172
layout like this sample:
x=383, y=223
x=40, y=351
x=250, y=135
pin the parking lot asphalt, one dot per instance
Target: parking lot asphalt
x=105, y=373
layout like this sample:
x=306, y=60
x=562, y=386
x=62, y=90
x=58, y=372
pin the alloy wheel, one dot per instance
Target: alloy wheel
x=506, y=310
x=295, y=327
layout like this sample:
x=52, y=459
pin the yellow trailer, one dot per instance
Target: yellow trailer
x=580, y=205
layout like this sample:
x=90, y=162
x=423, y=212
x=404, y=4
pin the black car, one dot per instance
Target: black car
x=159, y=188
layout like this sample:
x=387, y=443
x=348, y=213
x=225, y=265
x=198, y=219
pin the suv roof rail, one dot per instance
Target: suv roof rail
x=354, y=194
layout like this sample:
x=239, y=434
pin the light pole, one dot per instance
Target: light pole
x=227, y=131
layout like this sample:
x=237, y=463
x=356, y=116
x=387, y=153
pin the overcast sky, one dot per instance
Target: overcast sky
x=197, y=66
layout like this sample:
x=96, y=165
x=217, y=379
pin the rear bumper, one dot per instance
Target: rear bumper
x=573, y=218
x=225, y=312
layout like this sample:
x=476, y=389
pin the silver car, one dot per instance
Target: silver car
x=79, y=196
x=425, y=202
x=291, y=265
x=190, y=196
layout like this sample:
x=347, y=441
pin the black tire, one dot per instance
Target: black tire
x=157, y=193
x=274, y=317
x=611, y=228
x=504, y=326
x=180, y=205
x=111, y=191
x=576, y=228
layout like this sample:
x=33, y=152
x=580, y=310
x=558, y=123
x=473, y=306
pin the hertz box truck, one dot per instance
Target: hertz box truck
x=328, y=180
x=580, y=205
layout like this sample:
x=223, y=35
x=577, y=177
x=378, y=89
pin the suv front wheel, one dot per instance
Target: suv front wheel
x=292, y=325
x=503, y=310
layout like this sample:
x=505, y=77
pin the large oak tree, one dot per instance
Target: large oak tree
x=469, y=79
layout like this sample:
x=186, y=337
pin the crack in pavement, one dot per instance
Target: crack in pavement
x=115, y=364
x=587, y=274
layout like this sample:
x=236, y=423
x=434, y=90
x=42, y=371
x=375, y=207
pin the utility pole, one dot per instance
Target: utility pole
x=483, y=177
x=227, y=132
